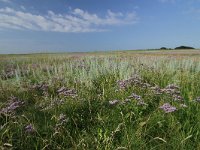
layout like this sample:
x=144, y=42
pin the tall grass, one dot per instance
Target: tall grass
x=66, y=101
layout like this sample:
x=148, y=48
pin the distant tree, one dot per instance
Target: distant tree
x=184, y=47
x=163, y=48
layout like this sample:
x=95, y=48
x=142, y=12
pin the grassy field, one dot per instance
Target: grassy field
x=134, y=100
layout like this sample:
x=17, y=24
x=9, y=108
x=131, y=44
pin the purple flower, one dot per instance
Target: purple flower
x=135, y=96
x=61, y=89
x=67, y=92
x=177, y=98
x=122, y=84
x=12, y=106
x=157, y=90
x=172, y=90
x=135, y=79
x=61, y=120
x=29, y=128
x=172, y=86
x=168, y=108
x=114, y=102
x=141, y=103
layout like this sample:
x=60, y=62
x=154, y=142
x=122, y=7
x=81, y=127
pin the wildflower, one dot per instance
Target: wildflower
x=126, y=101
x=62, y=119
x=197, y=99
x=172, y=86
x=43, y=87
x=141, y=102
x=12, y=105
x=135, y=79
x=135, y=96
x=155, y=87
x=157, y=90
x=61, y=89
x=67, y=92
x=8, y=73
x=172, y=89
x=122, y=84
x=177, y=97
x=114, y=102
x=29, y=128
x=146, y=85
x=183, y=105
x=168, y=108
x=168, y=91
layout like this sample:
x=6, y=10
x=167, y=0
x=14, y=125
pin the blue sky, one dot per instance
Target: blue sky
x=28, y=26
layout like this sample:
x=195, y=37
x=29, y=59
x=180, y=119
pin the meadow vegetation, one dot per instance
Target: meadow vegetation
x=140, y=100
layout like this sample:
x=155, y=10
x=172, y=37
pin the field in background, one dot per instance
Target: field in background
x=103, y=100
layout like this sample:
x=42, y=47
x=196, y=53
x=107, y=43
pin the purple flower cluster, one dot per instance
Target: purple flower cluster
x=135, y=79
x=67, y=92
x=122, y=84
x=177, y=97
x=168, y=108
x=171, y=89
x=13, y=104
x=61, y=121
x=174, y=91
x=141, y=102
x=8, y=73
x=138, y=98
x=128, y=100
x=29, y=128
x=157, y=90
x=41, y=87
x=114, y=102
x=172, y=86
x=135, y=96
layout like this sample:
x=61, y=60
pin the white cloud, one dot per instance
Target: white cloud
x=77, y=20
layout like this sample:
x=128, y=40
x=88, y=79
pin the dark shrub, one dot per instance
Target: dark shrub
x=163, y=48
x=184, y=47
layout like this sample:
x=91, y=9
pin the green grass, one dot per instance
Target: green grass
x=84, y=118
